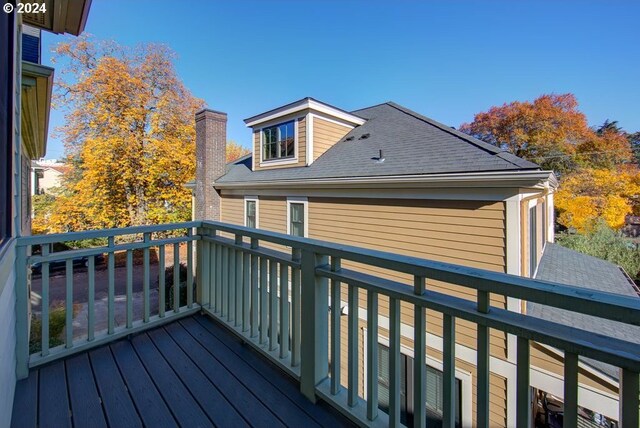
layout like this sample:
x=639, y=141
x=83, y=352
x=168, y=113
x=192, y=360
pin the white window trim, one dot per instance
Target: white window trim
x=465, y=378
x=285, y=161
x=305, y=202
x=257, y=201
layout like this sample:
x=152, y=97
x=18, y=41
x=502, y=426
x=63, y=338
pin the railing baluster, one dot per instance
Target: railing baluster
x=224, y=284
x=217, y=274
x=523, y=390
x=205, y=272
x=69, y=304
x=352, y=346
x=273, y=305
x=254, y=290
x=483, y=364
x=215, y=269
x=190, y=269
x=264, y=310
x=629, y=386
x=44, y=316
x=176, y=277
x=162, y=298
x=420, y=357
x=295, y=309
x=92, y=299
x=284, y=311
x=231, y=286
x=246, y=292
x=112, y=285
x=335, y=327
x=449, y=372
x=570, y=416
x=129, y=288
x=146, y=278
x=239, y=315
x=372, y=355
x=394, y=362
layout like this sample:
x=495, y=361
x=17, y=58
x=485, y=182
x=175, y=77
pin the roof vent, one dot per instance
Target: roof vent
x=364, y=136
x=349, y=138
x=380, y=157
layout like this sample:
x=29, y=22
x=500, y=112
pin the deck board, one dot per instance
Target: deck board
x=182, y=404
x=118, y=406
x=25, y=404
x=212, y=401
x=151, y=407
x=250, y=375
x=240, y=397
x=273, y=375
x=53, y=405
x=191, y=372
x=86, y=408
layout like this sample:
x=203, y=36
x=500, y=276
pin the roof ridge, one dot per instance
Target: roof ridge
x=468, y=138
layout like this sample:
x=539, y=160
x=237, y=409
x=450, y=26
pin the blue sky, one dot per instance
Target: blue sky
x=447, y=60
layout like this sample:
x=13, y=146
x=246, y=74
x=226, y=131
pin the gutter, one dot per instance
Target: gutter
x=534, y=179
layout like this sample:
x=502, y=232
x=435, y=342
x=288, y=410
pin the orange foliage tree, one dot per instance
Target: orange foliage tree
x=129, y=136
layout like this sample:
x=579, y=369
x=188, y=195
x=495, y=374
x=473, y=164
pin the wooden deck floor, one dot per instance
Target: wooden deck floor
x=190, y=373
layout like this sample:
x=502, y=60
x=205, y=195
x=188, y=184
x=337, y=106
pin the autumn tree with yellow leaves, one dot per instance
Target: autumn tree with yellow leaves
x=129, y=136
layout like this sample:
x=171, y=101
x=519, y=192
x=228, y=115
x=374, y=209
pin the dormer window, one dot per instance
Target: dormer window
x=278, y=142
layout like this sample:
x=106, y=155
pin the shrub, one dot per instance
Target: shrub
x=57, y=323
x=599, y=240
x=182, y=293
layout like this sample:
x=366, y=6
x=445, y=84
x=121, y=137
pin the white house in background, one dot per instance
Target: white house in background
x=46, y=174
x=25, y=101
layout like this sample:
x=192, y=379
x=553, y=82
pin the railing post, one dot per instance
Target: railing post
x=314, y=364
x=22, y=314
x=199, y=266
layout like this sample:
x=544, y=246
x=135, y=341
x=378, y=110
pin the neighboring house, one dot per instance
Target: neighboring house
x=46, y=175
x=24, y=115
x=387, y=178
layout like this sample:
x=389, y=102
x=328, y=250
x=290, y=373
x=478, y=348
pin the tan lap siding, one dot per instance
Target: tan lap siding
x=326, y=134
x=467, y=233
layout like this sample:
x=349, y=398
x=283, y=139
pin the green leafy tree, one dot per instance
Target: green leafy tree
x=601, y=241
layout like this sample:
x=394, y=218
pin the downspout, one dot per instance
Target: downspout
x=523, y=234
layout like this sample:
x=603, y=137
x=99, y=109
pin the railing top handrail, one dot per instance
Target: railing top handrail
x=601, y=304
x=102, y=233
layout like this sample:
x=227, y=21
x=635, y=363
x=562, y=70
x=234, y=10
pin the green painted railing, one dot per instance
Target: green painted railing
x=253, y=277
x=79, y=271
x=285, y=296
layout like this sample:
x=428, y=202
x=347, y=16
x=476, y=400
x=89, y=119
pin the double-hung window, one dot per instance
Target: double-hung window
x=296, y=219
x=278, y=142
x=251, y=213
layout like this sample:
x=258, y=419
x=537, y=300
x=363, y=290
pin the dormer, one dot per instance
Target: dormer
x=297, y=134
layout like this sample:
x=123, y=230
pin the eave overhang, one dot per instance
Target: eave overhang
x=61, y=16
x=302, y=105
x=37, y=83
x=511, y=179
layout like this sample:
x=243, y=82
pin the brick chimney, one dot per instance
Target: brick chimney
x=211, y=144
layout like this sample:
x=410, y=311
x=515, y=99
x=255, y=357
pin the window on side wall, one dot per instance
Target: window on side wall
x=278, y=142
x=251, y=213
x=297, y=220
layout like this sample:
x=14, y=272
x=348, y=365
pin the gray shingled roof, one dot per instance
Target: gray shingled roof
x=411, y=144
x=560, y=264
